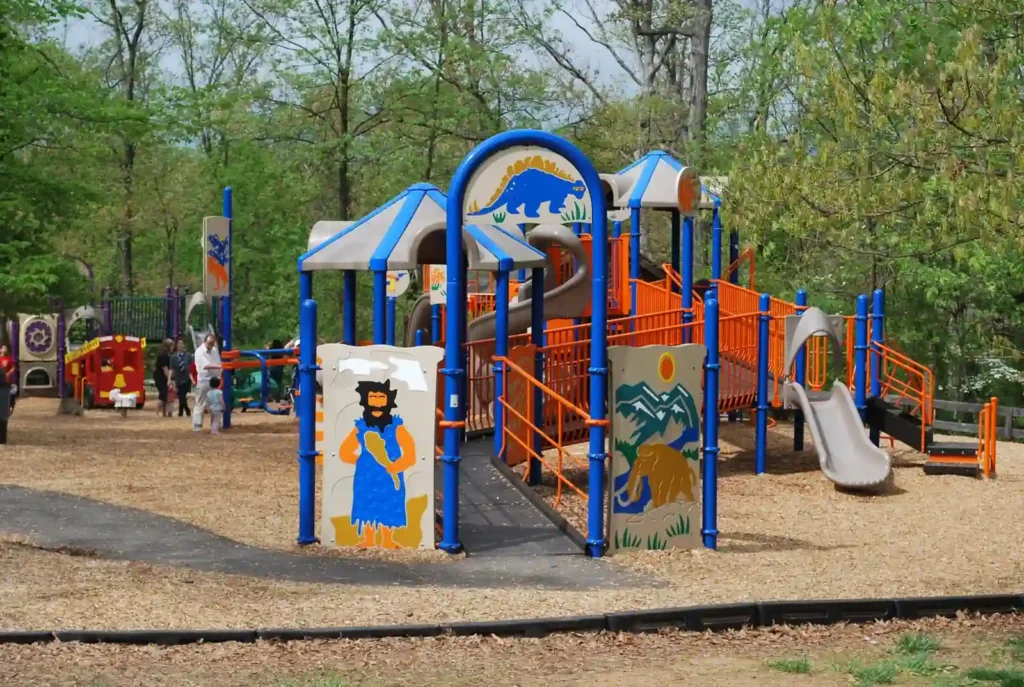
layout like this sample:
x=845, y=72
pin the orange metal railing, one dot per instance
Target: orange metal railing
x=748, y=257
x=988, y=421
x=521, y=433
x=909, y=380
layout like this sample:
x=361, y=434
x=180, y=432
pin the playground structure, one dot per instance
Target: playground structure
x=108, y=371
x=552, y=386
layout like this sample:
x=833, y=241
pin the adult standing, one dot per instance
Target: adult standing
x=181, y=364
x=162, y=377
x=7, y=376
x=207, y=367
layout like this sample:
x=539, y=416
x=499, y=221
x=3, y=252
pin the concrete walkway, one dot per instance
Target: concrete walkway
x=532, y=556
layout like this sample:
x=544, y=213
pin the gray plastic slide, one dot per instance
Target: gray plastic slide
x=846, y=455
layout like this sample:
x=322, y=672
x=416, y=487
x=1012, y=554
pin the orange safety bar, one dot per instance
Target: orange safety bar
x=522, y=431
x=255, y=364
x=746, y=255
x=988, y=423
x=910, y=380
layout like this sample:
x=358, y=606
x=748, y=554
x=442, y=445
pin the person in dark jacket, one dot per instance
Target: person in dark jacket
x=181, y=369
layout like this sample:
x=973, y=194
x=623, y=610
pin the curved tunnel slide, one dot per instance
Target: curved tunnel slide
x=566, y=301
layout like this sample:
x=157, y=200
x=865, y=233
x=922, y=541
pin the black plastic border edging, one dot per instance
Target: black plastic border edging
x=538, y=502
x=694, y=619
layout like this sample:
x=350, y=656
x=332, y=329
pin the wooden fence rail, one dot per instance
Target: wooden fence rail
x=1006, y=430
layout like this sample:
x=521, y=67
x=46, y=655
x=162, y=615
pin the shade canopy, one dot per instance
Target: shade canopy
x=409, y=231
x=650, y=182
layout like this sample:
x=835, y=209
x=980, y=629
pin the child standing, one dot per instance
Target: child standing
x=215, y=404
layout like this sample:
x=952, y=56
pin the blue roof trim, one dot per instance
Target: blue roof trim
x=631, y=165
x=439, y=197
x=379, y=259
x=505, y=261
x=637, y=196
x=519, y=239
x=344, y=232
x=672, y=162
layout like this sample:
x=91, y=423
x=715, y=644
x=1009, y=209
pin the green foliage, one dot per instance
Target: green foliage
x=794, y=666
x=627, y=449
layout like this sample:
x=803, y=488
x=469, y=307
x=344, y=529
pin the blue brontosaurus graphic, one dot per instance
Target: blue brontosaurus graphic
x=530, y=183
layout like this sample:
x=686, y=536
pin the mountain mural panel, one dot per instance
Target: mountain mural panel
x=655, y=440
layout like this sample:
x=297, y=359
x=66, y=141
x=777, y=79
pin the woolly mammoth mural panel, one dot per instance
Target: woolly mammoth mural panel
x=655, y=440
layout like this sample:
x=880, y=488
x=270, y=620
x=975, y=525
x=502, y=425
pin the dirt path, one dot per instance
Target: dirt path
x=669, y=658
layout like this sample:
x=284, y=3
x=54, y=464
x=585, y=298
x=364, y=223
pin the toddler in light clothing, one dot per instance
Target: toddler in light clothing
x=215, y=404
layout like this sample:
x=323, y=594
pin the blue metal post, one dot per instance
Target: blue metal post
x=800, y=376
x=598, y=353
x=761, y=440
x=716, y=242
x=860, y=355
x=380, y=303
x=419, y=337
x=675, y=241
x=734, y=255
x=306, y=410
x=709, y=529
x=634, y=255
x=392, y=319
x=500, y=350
x=435, y=324
x=686, y=273
x=537, y=339
x=227, y=303
x=616, y=229
x=877, y=339
x=349, y=314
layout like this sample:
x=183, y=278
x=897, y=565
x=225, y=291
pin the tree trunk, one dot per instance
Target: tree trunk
x=700, y=47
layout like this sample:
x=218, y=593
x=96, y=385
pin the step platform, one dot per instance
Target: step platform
x=953, y=458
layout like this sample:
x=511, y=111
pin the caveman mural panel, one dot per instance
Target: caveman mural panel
x=527, y=185
x=378, y=447
x=655, y=441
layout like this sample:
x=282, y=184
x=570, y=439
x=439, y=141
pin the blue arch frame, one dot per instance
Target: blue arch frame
x=454, y=369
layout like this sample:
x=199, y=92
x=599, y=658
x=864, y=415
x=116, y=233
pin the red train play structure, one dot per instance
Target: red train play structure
x=104, y=364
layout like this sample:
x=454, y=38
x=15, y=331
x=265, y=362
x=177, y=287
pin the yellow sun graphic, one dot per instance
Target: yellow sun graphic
x=666, y=367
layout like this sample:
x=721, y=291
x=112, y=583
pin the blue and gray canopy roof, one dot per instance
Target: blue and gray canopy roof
x=650, y=182
x=409, y=231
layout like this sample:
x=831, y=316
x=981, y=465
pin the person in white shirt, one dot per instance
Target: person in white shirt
x=208, y=366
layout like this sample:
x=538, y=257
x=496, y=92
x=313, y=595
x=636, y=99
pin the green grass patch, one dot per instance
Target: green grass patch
x=795, y=666
x=628, y=540
x=999, y=676
x=577, y=214
x=679, y=527
x=318, y=681
x=656, y=543
x=923, y=665
x=1015, y=645
x=913, y=643
x=881, y=673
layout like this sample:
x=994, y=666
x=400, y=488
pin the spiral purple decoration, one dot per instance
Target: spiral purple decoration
x=38, y=337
